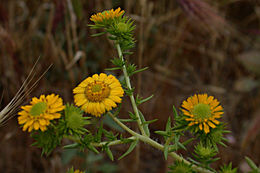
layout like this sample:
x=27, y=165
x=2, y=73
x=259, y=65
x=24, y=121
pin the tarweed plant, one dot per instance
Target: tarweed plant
x=49, y=120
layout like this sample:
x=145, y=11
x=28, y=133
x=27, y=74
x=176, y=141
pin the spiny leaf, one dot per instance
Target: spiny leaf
x=140, y=70
x=71, y=146
x=175, y=113
x=162, y=133
x=92, y=148
x=98, y=34
x=140, y=100
x=130, y=149
x=145, y=126
x=127, y=120
x=133, y=116
x=109, y=153
x=114, y=68
x=149, y=122
x=168, y=125
x=165, y=151
x=252, y=164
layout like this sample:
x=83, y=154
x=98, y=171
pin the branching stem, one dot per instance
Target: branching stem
x=128, y=83
x=153, y=143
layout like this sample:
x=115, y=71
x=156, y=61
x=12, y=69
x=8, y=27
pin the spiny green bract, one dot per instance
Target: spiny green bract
x=214, y=137
x=74, y=119
x=205, y=154
x=47, y=140
x=227, y=169
x=178, y=167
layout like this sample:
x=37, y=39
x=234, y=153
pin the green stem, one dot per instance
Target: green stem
x=128, y=83
x=153, y=143
x=101, y=144
x=108, y=143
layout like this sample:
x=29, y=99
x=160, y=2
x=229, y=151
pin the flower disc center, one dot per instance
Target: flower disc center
x=96, y=88
x=38, y=109
x=97, y=91
x=202, y=111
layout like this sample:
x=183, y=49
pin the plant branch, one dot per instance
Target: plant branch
x=128, y=83
x=153, y=143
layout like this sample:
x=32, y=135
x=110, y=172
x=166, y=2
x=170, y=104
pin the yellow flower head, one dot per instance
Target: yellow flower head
x=202, y=111
x=107, y=15
x=41, y=110
x=98, y=94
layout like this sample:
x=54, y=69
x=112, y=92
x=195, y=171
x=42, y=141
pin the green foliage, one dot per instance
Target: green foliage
x=180, y=167
x=140, y=100
x=47, y=140
x=227, y=169
x=205, y=154
x=214, y=137
x=118, y=62
x=130, y=149
x=252, y=165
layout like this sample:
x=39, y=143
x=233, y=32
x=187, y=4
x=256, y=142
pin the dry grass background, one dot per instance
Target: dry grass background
x=191, y=46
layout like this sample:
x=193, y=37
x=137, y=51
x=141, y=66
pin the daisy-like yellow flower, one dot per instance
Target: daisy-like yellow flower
x=202, y=111
x=98, y=94
x=107, y=15
x=41, y=110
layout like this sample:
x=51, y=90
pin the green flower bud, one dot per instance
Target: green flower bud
x=205, y=152
x=75, y=121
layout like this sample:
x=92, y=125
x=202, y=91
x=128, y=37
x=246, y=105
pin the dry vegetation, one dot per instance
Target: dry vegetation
x=189, y=46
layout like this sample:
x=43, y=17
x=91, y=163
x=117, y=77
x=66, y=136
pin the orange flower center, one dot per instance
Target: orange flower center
x=97, y=91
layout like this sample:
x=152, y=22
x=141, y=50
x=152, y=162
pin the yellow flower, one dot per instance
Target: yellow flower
x=41, y=110
x=78, y=171
x=98, y=94
x=202, y=111
x=107, y=15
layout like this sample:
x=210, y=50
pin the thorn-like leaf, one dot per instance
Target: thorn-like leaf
x=130, y=149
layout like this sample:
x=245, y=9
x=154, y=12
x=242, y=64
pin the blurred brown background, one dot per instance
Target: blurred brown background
x=190, y=46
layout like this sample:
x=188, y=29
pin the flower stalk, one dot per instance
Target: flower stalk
x=128, y=83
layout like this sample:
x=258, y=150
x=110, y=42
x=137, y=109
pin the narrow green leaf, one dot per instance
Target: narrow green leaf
x=133, y=116
x=92, y=148
x=146, y=128
x=162, y=133
x=98, y=34
x=112, y=37
x=182, y=146
x=109, y=153
x=149, y=122
x=71, y=146
x=251, y=164
x=165, y=151
x=188, y=141
x=130, y=149
x=144, y=100
x=140, y=70
x=175, y=113
x=127, y=120
x=168, y=125
x=114, y=68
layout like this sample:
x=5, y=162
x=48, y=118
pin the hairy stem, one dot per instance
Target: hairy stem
x=128, y=83
x=101, y=144
x=153, y=143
